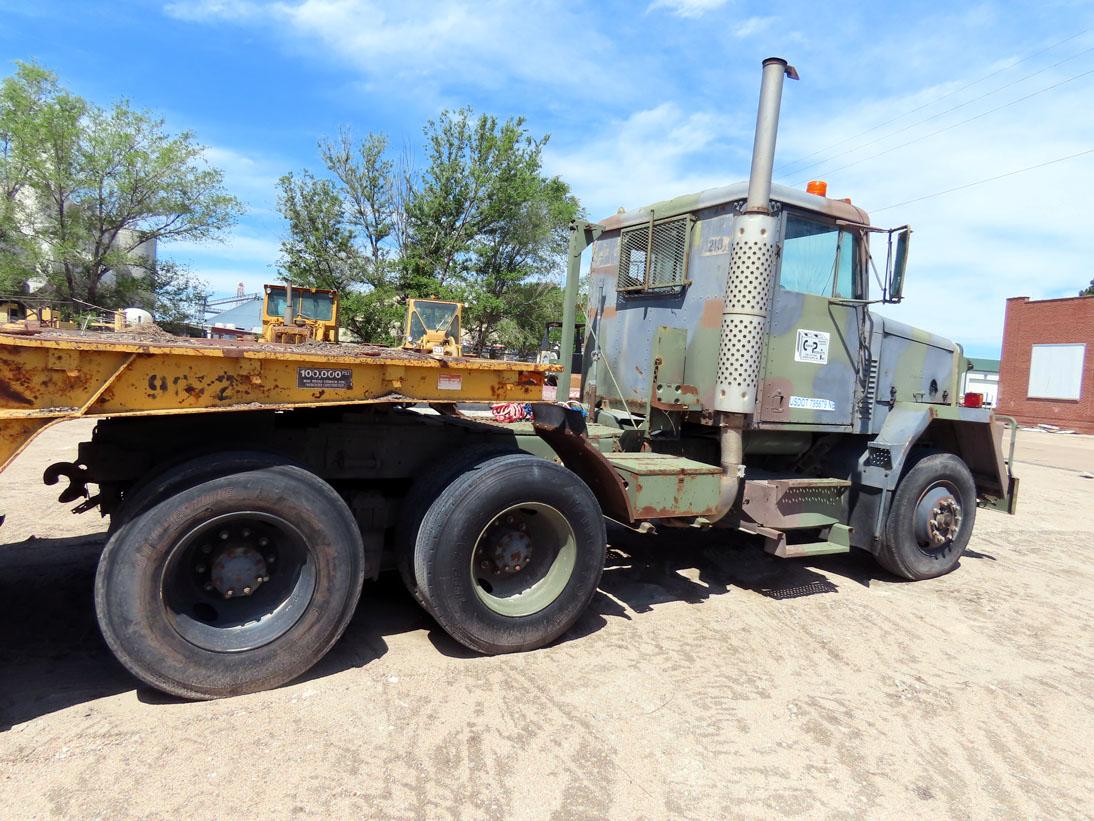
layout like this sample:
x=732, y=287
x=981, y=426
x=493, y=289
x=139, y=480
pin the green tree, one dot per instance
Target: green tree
x=22, y=99
x=320, y=250
x=341, y=231
x=1088, y=290
x=484, y=218
x=515, y=261
x=100, y=187
x=526, y=310
x=368, y=190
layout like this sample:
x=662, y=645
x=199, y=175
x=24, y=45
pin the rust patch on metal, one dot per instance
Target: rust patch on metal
x=711, y=317
x=775, y=398
x=564, y=431
x=9, y=393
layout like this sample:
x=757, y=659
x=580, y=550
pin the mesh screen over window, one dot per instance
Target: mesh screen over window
x=654, y=256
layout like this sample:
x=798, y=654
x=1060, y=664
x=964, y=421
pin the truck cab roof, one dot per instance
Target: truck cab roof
x=737, y=191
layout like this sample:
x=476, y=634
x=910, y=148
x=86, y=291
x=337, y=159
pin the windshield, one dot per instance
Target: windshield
x=319, y=307
x=818, y=259
x=434, y=316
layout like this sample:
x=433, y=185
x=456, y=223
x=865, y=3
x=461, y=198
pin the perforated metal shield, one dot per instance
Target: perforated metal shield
x=753, y=261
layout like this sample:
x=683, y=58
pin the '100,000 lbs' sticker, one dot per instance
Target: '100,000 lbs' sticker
x=324, y=378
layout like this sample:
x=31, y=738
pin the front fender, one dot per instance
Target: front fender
x=974, y=434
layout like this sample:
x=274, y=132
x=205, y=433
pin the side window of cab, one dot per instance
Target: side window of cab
x=819, y=259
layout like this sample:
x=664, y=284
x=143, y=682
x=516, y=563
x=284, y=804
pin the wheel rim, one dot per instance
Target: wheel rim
x=523, y=559
x=237, y=581
x=938, y=517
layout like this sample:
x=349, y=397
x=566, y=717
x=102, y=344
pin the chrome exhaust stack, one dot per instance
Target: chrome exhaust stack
x=767, y=129
x=753, y=262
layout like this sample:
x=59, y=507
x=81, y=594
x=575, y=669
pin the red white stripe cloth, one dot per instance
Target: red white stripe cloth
x=511, y=411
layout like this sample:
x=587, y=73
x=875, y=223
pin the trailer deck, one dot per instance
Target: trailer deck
x=54, y=375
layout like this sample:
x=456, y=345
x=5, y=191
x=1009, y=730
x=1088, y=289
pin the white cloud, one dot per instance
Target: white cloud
x=687, y=8
x=489, y=44
x=692, y=128
x=249, y=252
x=240, y=246
x=751, y=26
x=250, y=176
x=975, y=247
x=212, y=9
x=247, y=255
x=653, y=154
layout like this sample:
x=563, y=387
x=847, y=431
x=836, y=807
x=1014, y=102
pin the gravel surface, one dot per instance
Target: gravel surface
x=708, y=679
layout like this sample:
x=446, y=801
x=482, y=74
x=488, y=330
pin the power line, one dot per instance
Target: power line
x=947, y=111
x=955, y=125
x=986, y=180
x=937, y=100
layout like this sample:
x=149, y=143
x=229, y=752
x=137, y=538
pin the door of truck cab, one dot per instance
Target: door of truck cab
x=813, y=355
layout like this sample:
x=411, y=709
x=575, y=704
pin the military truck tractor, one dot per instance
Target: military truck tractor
x=735, y=328
x=734, y=374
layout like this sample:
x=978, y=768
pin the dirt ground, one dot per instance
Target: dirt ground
x=707, y=680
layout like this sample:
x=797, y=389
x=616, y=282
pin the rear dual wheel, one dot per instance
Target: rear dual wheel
x=231, y=585
x=510, y=553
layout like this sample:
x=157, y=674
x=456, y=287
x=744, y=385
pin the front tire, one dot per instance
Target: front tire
x=234, y=585
x=510, y=554
x=931, y=518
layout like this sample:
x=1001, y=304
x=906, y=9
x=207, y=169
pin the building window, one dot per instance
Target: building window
x=1056, y=372
x=655, y=256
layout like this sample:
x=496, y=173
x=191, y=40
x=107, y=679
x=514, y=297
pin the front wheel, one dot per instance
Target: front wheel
x=237, y=584
x=931, y=518
x=510, y=553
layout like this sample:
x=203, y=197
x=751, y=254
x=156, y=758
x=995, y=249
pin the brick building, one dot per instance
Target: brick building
x=1047, y=369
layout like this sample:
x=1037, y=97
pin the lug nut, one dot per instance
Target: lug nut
x=200, y=568
x=246, y=591
x=224, y=535
x=270, y=558
x=229, y=593
x=263, y=541
x=205, y=548
x=246, y=532
x=208, y=586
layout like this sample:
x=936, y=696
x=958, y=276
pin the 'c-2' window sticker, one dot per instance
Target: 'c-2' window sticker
x=812, y=346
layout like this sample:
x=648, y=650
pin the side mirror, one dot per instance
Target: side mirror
x=900, y=266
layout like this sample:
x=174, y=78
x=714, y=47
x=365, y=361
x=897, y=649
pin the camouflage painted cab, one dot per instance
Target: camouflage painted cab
x=734, y=328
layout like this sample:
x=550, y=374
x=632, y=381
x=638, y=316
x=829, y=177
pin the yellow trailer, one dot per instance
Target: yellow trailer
x=251, y=488
x=56, y=375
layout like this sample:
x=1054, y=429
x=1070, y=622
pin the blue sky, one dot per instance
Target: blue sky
x=643, y=101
